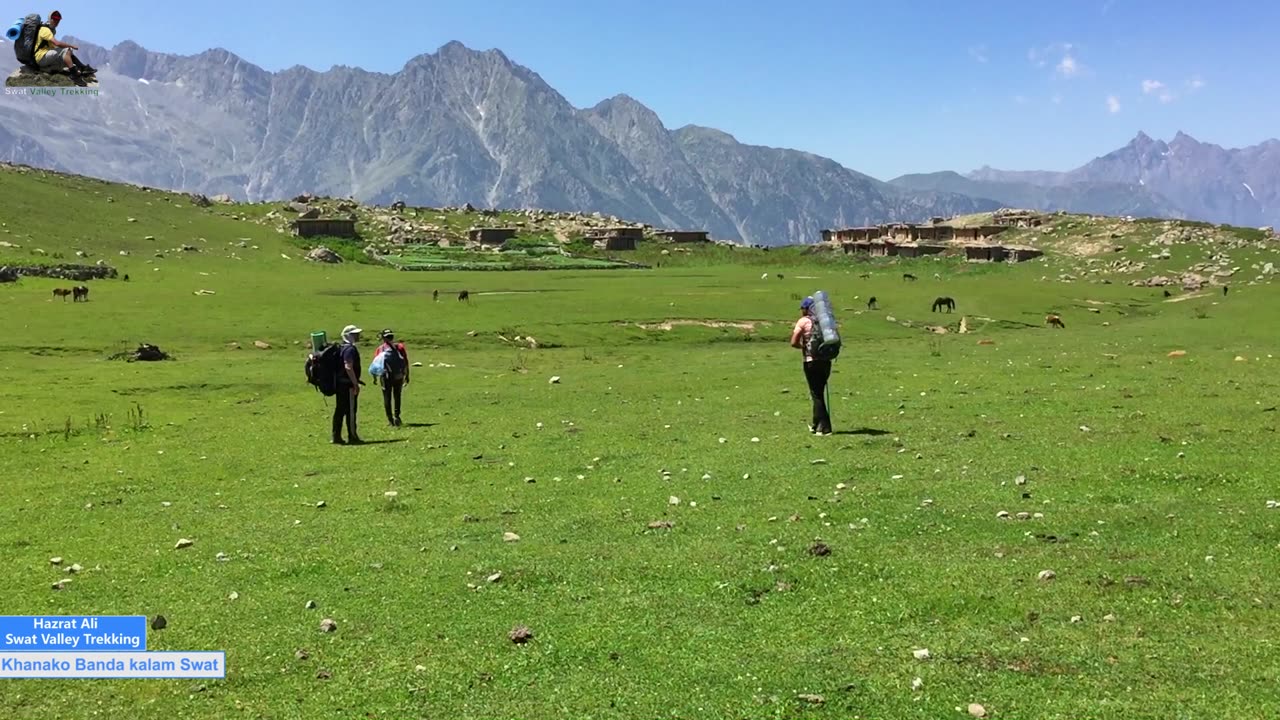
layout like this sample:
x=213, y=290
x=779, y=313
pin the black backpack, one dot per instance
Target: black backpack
x=816, y=349
x=322, y=369
x=24, y=48
x=394, y=363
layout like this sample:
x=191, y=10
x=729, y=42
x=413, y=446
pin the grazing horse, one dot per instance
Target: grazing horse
x=944, y=302
x=62, y=293
x=871, y=303
x=865, y=276
x=464, y=296
x=126, y=277
x=1224, y=290
x=1168, y=294
x=1055, y=321
x=79, y=292
x=908, y=276
x=435, y=295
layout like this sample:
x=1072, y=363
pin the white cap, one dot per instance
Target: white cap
x=351, y=330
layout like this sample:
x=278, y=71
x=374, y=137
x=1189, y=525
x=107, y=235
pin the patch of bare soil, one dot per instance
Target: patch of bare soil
x=748, y=325
x=1182, y=298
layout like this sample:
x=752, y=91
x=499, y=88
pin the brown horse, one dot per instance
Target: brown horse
x=1055, y=321
x=62, y=293
x=464, y=296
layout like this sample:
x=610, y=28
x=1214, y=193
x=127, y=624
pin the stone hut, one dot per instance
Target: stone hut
x=1023, y=254
x=491, y=237
x=915, y=250
x=616, y=243
x=684, y=236
x=1018, y=218
x=979, y=234
x=324, y=227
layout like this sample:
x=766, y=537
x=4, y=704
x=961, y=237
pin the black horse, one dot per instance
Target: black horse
x=908, y=276
x=944, y=302
x=871, y=304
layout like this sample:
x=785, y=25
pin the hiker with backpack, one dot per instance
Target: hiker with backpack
x=394, y=374
x=807, y=337
x=347, y=396
x=37, y=48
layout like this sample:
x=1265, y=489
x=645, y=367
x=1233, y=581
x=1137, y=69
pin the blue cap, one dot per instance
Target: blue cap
x=806, y=303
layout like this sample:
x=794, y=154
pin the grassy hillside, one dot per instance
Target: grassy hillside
x=1144, y=479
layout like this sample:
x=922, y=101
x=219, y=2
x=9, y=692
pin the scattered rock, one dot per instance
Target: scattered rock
x=510, y=537
x=261, y=345
x=1003, y=515
x=673, y=500
x=555, y=380
x=1047, y=575
x=55, y=561
x=820, y=550
x=811, y=699
x=159, y=623
x=917, y=685
x=311, y=605
x=921, y=654
x=520, y=635
x=324, y=255
x=494, y=577
x=183, y=543
x=234, y=595
x=324, y=674
x=977, y=710
x=301, y=654
x=1177, y=353
x=661, y=525
x=61, y=583
x=327, y=625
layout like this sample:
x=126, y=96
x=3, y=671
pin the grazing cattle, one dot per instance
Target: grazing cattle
x=1224, y=290
x=944, y=302
x=1055, y=321
x=1168, y=294
x=865, y=276
x=435, y=295
x=126, y=277
x=62, y=293
x=871, y=303
x=464, y=296
x=79, y=292
x=779, y=276
x=908, y=276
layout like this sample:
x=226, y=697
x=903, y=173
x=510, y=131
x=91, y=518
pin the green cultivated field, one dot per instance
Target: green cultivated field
x=1147, y=479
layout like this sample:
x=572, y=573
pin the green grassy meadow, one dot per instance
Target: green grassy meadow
x=1146, y=477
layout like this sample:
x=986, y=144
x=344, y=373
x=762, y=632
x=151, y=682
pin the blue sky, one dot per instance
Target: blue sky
x=884, y=88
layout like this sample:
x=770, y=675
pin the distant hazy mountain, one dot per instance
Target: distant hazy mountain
x=1201, y=180
x=451, y=127
x=1105, y=198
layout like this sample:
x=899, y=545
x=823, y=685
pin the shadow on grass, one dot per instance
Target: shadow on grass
x=864, y=431
x=420, y=425
x=381, y=442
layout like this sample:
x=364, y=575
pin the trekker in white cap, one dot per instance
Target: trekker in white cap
x=348, y=388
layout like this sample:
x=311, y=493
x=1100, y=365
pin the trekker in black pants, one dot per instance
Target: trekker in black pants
x=817, y=371
x=395, y=375
x=347, y=398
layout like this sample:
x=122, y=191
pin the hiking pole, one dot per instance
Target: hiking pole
x=830, y=421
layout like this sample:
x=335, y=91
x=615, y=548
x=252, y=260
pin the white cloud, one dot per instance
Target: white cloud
x=979, y=53
x=1068, y=66
x=1159, y=89
x=1056, y=99
x=1195, y=83
x=1113, y=104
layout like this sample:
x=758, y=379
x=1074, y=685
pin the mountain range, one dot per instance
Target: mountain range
x=465, y=126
